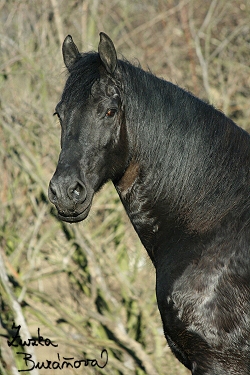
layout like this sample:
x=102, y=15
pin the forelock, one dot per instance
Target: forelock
x=83, y=74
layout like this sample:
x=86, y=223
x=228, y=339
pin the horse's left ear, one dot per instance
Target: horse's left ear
x=107, y=53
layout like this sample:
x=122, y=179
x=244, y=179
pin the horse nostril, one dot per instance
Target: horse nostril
x=77, y=191
x=52, y=192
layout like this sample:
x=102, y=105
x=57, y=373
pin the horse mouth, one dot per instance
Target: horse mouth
x=74, y=218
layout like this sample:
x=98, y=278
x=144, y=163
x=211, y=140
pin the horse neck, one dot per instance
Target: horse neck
x=187, y=159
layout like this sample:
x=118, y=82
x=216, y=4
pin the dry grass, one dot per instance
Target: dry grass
x=90, y=286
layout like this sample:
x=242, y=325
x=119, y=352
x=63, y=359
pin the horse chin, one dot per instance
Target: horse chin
x=74, y=218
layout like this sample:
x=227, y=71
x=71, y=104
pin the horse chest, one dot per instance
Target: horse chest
x=145, y=223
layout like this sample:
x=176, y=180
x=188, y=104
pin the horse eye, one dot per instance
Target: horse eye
x=111, y=112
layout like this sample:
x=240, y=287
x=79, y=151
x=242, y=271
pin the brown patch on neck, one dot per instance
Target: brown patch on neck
x=129, y=177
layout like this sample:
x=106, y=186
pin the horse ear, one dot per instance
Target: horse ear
x=70, y=52
x=107, y=53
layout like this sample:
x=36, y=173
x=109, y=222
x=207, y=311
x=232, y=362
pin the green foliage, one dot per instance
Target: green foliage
x=90, y=286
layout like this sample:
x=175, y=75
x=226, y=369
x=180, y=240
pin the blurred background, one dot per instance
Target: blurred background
x=90, y=286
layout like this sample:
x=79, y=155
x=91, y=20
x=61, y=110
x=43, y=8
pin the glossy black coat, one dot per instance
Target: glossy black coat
x=181, y=169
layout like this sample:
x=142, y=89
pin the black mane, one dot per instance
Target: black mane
x=208, y=155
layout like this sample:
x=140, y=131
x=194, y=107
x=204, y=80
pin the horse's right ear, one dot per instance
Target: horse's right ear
x=70, y=52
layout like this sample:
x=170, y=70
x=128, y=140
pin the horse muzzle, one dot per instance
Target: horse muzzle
x=72, y=198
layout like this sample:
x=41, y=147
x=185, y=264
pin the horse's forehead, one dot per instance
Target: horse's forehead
x=104, y=87
x=89, y=84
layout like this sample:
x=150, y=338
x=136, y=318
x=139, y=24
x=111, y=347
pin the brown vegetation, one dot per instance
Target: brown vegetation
x=90, y=286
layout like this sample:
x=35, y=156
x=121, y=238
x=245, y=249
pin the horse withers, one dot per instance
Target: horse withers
x=181, y=169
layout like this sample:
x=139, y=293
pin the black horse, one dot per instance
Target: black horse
x=181, y=169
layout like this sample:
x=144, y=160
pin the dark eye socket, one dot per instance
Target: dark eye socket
x=111, y=112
